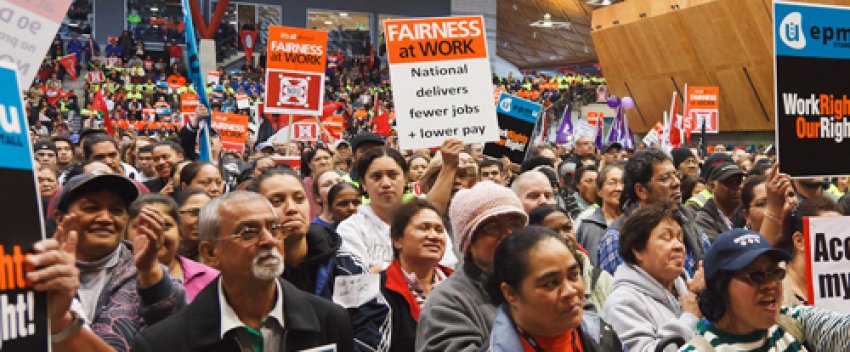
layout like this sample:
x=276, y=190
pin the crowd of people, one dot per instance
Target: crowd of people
x=373, y=248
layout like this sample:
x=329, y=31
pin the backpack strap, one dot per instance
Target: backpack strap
x=594, y=277
x=792, y=326
x=700, y=343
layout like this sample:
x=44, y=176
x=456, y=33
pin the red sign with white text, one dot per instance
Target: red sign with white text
x=702, y=105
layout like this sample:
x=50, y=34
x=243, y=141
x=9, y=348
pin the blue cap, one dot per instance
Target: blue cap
x=733, y=250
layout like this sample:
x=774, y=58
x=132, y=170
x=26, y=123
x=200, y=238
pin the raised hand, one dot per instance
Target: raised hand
x=148, y=227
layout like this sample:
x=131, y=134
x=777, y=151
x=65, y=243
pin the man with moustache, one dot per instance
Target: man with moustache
x=650, y=177
x=249, y=307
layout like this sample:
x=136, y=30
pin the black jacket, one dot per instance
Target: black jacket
x=708, y=218
x=322, y=245
x=310, y=322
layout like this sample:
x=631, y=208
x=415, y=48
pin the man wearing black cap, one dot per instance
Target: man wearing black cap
x=122, y=286
x=611, y=154
x=45, y=153
x=685, y=161
x=723, y=211
x=713, y=160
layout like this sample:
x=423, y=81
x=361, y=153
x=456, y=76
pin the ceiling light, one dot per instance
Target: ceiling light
x=329, y=22
x=547, y=22
x=343, y=14
x=515, y=7
x=586, y=49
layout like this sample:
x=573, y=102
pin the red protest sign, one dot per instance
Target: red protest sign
x=295, y=78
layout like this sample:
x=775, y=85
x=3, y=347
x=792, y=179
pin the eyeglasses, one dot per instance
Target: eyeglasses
x=252, y=233
x=191, y=212
x=758, y=278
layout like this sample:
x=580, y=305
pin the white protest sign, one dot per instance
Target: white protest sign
x=325, y=348
x=828, y=264
x=352, y=291
x=584, y=129
x=26, y=30
x=442, y=85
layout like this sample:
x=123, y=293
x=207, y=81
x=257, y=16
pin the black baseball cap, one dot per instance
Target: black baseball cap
x=725, y=170
x=44, y=145
x=90, y=182
x=733, y=250
x=612, y=145
x=365, y=137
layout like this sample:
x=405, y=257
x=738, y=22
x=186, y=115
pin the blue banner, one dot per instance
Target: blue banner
x=14, y=135
x=808, y=30
x=197, y=79
x=518, y=108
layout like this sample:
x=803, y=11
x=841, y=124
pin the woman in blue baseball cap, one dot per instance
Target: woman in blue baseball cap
x=742, y=303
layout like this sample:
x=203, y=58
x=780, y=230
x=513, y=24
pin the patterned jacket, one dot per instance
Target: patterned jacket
x=123, y=308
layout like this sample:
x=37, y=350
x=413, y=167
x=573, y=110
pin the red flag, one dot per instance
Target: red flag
x=382, y=124
x=330, y=107
x=69, y=62
x=99, y=104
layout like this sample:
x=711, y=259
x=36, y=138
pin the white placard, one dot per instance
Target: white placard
x=828, y=264
x=27, y=28
x=352, y=291
x=441, y=79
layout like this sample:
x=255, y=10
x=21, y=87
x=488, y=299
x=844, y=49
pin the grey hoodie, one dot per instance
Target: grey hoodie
x=643, y=312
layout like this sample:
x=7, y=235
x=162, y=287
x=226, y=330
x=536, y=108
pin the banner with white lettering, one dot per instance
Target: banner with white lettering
x=442, y=86
x=517, y=118
x=23, y=312
x=27, y=28
x=295, y=78
x=812, y=105
x=233, y=129
x=828, y=262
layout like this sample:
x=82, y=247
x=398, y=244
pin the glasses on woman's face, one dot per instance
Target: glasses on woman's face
x=758, y=278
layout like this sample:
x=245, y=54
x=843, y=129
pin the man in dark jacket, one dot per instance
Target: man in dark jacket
x=722, y=212
x=248, y=307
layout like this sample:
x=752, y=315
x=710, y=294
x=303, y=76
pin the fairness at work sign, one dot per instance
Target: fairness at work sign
x=295, y=74
x=440, y=75
x=812, y=49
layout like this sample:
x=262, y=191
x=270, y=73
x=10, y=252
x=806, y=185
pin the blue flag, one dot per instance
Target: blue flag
x=566, y=128
x=197, y=79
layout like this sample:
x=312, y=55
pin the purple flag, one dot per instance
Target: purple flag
x=599, y=131
x=628, y=137
x=615, y=133
x=566, y=128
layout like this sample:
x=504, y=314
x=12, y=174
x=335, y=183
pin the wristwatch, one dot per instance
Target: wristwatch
x=69, y=330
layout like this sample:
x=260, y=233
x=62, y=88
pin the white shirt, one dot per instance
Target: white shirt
x=271, y=327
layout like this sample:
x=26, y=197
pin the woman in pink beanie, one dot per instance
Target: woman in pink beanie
x=458, y=314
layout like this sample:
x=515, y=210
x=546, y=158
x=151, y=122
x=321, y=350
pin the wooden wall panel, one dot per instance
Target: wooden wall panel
x=727, y=43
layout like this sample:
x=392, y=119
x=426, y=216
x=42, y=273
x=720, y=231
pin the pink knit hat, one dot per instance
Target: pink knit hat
x=471, y=207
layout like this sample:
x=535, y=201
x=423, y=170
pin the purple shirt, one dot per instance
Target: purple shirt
x=196, y=276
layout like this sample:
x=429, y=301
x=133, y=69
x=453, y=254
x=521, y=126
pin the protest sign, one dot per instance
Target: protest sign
x=27, y=28
x=305, y=131
x=702, y=105
x=517, y=118
x=295, y=78
x=242, y=101
x=828, y=262
x=23, y=312
x=188, y=103
x=233, y=129
x=811, y=104
x=441, y=81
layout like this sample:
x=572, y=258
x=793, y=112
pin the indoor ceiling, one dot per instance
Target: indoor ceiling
x=331, y=20
x=530, y=47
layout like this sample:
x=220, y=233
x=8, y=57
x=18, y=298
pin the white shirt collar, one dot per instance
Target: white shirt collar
x=229, y=319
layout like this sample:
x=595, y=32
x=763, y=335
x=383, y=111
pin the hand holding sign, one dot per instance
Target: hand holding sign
x=52, y=268
x=352, y=291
